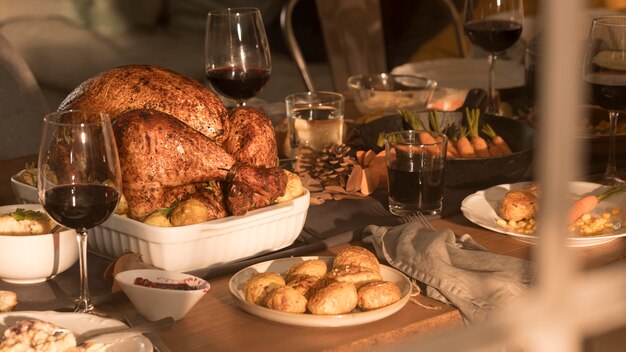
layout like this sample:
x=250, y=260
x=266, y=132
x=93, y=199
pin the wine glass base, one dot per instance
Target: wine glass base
x=612, y=181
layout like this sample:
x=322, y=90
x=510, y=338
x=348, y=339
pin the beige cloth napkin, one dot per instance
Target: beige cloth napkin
x=457, y=272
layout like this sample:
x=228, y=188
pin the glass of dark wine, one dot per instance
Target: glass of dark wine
x=237, y=54
x=79, y=178
x=493, y=25
x=605, y=71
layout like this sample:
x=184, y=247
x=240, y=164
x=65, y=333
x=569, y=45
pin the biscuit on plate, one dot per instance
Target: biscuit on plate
x=305, y=284
x=335, y=298
x=358, y=256
x=313, y=267
x=378, y=294
x=8, y=301
x=285, y=299
x=261, y=284
x=356, y=275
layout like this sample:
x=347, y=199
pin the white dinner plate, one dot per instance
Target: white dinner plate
x=481, y=208
x=465, y=73
x=80, y=323
x=238, y=282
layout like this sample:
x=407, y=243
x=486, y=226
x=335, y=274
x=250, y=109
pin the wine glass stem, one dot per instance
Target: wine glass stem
x=611, y=172
x=83, y=303
x=492, y=104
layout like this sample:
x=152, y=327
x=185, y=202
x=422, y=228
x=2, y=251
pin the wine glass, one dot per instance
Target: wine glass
x=494, y=25
x=605, y=71
x=79, y=178
x=237, y=54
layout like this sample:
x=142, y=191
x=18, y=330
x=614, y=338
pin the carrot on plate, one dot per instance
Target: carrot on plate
x=496, y=139
x=586, y=204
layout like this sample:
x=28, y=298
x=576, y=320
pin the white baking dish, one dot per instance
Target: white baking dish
x=198, y=246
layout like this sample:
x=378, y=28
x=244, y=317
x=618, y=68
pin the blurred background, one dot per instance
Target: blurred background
x=65, y=42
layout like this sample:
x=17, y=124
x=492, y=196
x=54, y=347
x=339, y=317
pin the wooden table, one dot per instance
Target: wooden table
x=216, y=323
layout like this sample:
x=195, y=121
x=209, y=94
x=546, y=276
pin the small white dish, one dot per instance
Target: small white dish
x=158, y=303
x=238, y=281
x=481, y=208
x=28, y=259
x=80, y=323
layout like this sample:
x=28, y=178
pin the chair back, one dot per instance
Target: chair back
x=353, y=36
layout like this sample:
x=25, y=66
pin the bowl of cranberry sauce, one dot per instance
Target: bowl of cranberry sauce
x=159, y=294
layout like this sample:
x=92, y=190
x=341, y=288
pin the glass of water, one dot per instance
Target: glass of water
x=315, y=121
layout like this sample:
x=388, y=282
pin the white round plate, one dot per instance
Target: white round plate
x=80, y=323
x=238, y=282
x=481, y=209
x=465, y=73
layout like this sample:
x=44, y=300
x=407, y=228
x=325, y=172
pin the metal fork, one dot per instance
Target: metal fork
x=417, y=217
x=461, y=241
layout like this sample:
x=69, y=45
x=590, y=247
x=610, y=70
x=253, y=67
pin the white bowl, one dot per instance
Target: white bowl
x=28, y=259
x=159, y=303
x=198, y=246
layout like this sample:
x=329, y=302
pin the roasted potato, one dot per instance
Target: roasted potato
x=188, y=212
x=294, y=187
x=157, y=219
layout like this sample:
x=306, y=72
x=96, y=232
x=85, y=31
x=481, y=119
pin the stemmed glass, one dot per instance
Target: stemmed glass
x=494, y=25
x=79, y=178
x=237, y=54
x=605, y=71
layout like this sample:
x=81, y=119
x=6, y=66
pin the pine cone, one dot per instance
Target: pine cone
x=332, y=166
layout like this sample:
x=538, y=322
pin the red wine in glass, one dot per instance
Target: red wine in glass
x=604, y=70
x=237, y=54
x=81, y=206
x=238, y=83
x=493, y=35
x=608, y=91
x=79, y=178
x=494, y=25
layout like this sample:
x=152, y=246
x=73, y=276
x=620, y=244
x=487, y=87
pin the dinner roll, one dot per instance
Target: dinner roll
x=8, y=301
x=336, y=298
x=285, y=299
x=260, y=284
x=305, y=284
x=356, y=275
x=357, y=256
x=377, y=295
x=313, y=267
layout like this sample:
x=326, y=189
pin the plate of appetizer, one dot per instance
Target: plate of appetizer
x=31, y=323
x=349, y=289
x=596, y=216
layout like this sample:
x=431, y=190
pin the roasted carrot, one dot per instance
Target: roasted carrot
x=494, y=150
x=464, y=146
x=480, y=145
x=435, y=126
x=496, y=139
x=452, y=133
x=424, y=135
x=587, y=203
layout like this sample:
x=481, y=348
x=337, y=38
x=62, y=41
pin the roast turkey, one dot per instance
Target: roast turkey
x=174, y=135
x=133, y=87
x=252, y=138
